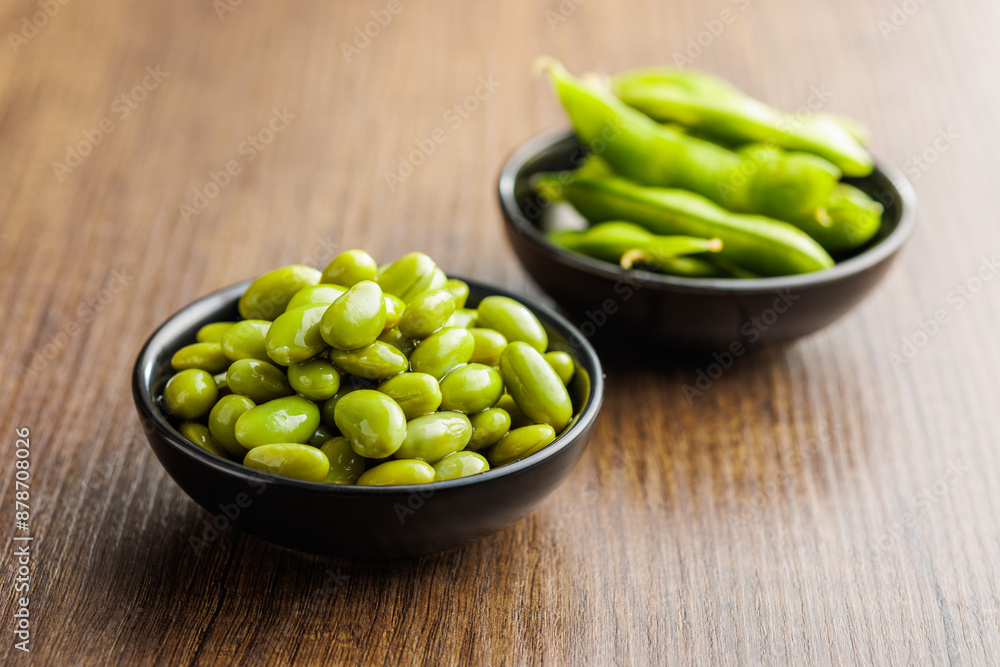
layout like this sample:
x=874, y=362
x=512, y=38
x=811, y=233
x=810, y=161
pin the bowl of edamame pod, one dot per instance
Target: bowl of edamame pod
x=680, y=210
x=365, y=411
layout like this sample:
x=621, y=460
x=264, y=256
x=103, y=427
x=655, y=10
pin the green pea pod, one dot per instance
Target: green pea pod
x=766, y=181
x=268, y=296
x=763, y=245
x=711, y=105
x=535, y=386
x=849, y=220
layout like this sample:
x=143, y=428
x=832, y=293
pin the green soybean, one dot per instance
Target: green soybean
x=460, y=464
x=355, y=319
x=535, y=386
x=268, y=296
x=416, y=393
x=442, y=351
x=410, y=275
x=372, y=422
x=317, y=295
x=378, y=361
x=519, y=443
x=261, y=381
x=487, y=428
x=221, y=383
x=346, y=465
x=562, y=363
x=283, y=420
x=316, y=379
x=201, y=436
x=246, y=340
x=292, y=460
x=516, y=415
x=426, y=313
x=394, y=307
x=212, y=333
x=434, y=436
x=513, y=320
x=471, y=388
x=321, y=435
x=350, y=268
x=190, y=394
x=399, y=341
x=489, y=345
x=459, y=290
x=465, y=318
x=222, y=422
x=398, y=473
x=295, y=336
x=329, y=407
x=206, y=356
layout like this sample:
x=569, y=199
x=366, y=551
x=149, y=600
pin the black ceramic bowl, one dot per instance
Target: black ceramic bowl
x=705, y=314
x=360, y=522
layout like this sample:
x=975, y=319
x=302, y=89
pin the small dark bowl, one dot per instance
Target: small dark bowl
x=350, y=521
x=704, y=314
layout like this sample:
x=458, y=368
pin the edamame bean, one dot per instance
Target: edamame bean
x=206, y=356
x=459, y=290
x=330, y=405
x=416, y=393
x=519, y=443
x=394, y=307
x=513, y=320
x=471, y=388
x=295, y=335
x=396, y=338
x=562, y=363
x=321, y=435
x=292, y=460
x=283, y=420
x=268, y=296
x=464, y=318
x=246, y=340
x=317, y=295
x=356, y=319
x=220, y=383
x=316, y=379
x=212, y=333
x=534, y=386
x=190, y=394
x=200, y=435
x=408, y=276
x=517, y=416
x=489, y=344
x=487, y=428
x=372, y=422
x=426, y=313
x=262, y=381
x=350, y=268
x=434, y=436
x=222, y=422
x=460, y=464
x=378, y=361
x=442, y=351
x=346, y=465
x=398, y=473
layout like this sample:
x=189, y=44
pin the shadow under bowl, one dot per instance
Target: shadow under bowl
x=692, y=314
x=351, y=521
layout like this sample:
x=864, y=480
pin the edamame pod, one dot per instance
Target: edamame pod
x=460, y=464
x=295, y=336
x=534, y=386
x=200, y=435
x=442, y=351
x=848, y=221
x=610, y=241
x=432, y=437
x=416, y=393
x=268, y=296
x=246, y=339
x=487, y=428
x=283, y=420
x=471, y=389
x=426, y=313
x=316, y=379
x=398, y=473
x=519, y=443
x=206, y=356
x=292, y=460
x=346, y=465
x=372, y=422
x=489, y=344
x=317, y=295
x=350, y=268
x=190, y=394
x=378, y=361
x=356, y=319
x=222, y=422
x=261, y=381
x=513, y=320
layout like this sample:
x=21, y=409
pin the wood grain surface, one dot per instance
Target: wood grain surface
x=821, y=503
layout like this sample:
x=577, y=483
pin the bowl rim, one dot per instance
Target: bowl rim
x=166, y=332
x=902, y=189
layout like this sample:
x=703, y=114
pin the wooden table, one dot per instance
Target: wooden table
x=824, y=502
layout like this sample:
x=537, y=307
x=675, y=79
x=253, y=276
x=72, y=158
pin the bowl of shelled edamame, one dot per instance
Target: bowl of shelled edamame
x=680, y=210
x=358, y=415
